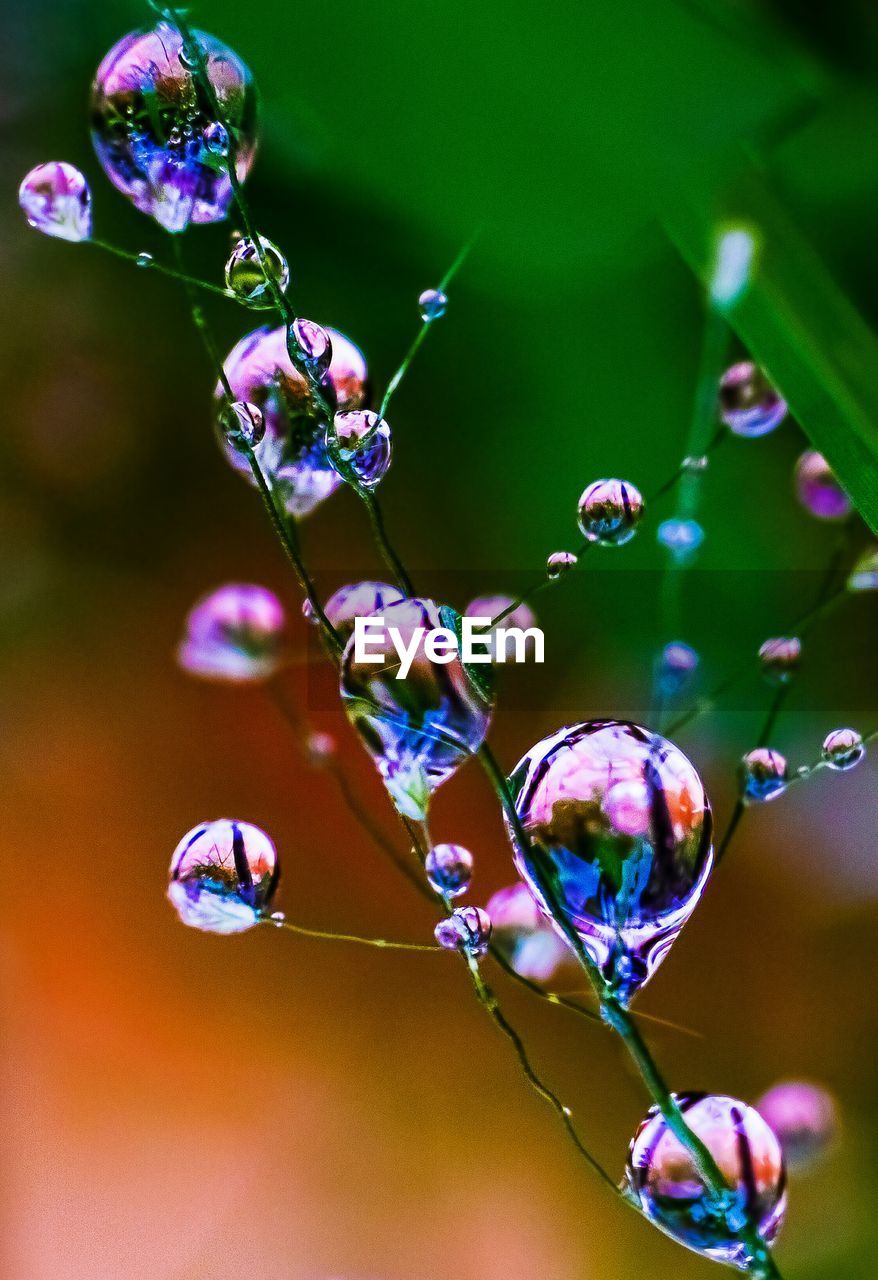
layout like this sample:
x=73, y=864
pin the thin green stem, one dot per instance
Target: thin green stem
x=490, y=1004
x=799, y=627
x=617, y=1016
x=148, y=262
x=283, y=525
x=426, y=326
x=280, y=922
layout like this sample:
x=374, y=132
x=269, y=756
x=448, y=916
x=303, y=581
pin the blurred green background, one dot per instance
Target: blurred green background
x=179, y=1106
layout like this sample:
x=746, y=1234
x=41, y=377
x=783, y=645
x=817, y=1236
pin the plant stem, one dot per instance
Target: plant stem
x=150, y=264
x=489, y=1003
x=283, y=525
x=622, y=1022
x=280, y=922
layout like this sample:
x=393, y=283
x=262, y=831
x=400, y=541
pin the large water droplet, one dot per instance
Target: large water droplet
x=246, y=277
x=223, y=876
x=662, y=1176
x=619, y=833
x=418, y=728
x=293, y=453
x=148, y=123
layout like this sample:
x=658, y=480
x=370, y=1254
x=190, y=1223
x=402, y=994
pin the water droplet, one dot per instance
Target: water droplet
x=522, y=617
x=216, y=139
x=56, y=200
x=466, y=929
x=314, y=345
x=419, y=728
x=246, y=278
x=818, y=490
x=244, y=426
x=432, y=304
x=749, y=404
x=626, y=891
x=670, y=1191
x=610, y=511
x=675, y=667
x=780, y=658
x=320, y=748
x=187, y=59
x=143, y=97
x=843, y=749
x=695, y=463
x=293, y=453
x=449, y=869
x=681, y=537
x=359, y=600
x=145, y=260
x=559, y=563
x=762, y=775
x=864, y=575
x=223, y=876
x=524, y=936
x=364, y=442
x=234, y=634
x=804, y=1119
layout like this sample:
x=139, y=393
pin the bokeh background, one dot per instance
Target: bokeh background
x=178, y=1107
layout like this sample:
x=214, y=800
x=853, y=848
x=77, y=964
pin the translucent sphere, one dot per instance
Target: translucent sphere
x=244, y=426
x=149, y=120
x=610, y=511
x=664, y=1179
x=364, y=444
x=419, y=728
x=843, y=749
x=675, y=666
x=293, y=453
x=466, y=929
x=523, y=935
x=313, y=343
x=449, y=869
x=864, y=575
x=359, y=600
x=681, y=537
x=223, y=876
x=804, y=1118
x=235, y=634
x=559, y=563
x=780, y=658
x=56, y=200
x=432, y=304
x=619, y=842
x=749, y=404
x=818, y=490
x=522, y=616
x=246, y=278
x=216, y=139
x=762, y=775
x=320, y=748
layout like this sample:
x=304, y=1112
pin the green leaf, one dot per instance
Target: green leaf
x=793, y=318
